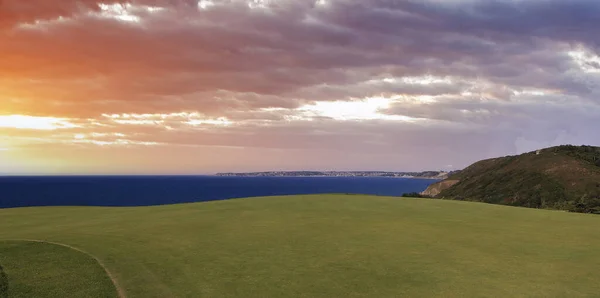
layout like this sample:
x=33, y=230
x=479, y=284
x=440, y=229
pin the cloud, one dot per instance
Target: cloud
x=37, y=123
x=370, y=77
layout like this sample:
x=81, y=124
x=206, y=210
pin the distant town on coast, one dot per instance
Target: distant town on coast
x=422, y=175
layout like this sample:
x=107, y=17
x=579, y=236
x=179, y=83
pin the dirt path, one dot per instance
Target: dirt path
x=120, y=291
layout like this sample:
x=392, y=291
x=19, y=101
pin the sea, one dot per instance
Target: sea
x=160, y=190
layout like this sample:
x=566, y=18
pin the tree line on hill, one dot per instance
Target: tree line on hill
x=584, y=204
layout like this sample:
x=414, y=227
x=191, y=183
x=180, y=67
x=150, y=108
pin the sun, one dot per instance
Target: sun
x=32, y=122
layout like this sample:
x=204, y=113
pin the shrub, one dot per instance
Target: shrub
x=586, y=205
x=414, y=195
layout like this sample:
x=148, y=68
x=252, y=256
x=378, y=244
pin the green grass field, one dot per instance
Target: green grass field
x=302, y=246
x=49, y=270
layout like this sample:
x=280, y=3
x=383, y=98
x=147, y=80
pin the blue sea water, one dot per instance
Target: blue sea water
x=160, y=190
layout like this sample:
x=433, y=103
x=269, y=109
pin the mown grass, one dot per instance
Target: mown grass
x=325, y=246
x=47, y=270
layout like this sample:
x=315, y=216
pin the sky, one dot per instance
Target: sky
x=198, y=87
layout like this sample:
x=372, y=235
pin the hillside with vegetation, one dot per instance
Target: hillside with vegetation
x=564, y=177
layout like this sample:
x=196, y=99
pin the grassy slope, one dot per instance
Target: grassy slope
x=557, y=176
x=48, y=270
x=329, y=246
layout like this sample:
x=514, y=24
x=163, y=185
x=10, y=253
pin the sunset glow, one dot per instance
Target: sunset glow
x=31, y=122
x=188, y=87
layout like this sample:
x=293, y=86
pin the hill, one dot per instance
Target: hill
x=302, y=246
x=564, y=177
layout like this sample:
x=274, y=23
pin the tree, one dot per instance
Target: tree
x=587, y=204
x=413, y=195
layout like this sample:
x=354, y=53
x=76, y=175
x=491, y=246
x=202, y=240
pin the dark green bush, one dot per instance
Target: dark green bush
x=414, y=195
x=3, y=284
x=586, y=205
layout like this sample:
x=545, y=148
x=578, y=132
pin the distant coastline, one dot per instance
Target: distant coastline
x=419, y=175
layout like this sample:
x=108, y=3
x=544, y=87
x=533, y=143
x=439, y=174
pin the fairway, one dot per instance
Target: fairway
x=302, y=246
x=49, y=270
